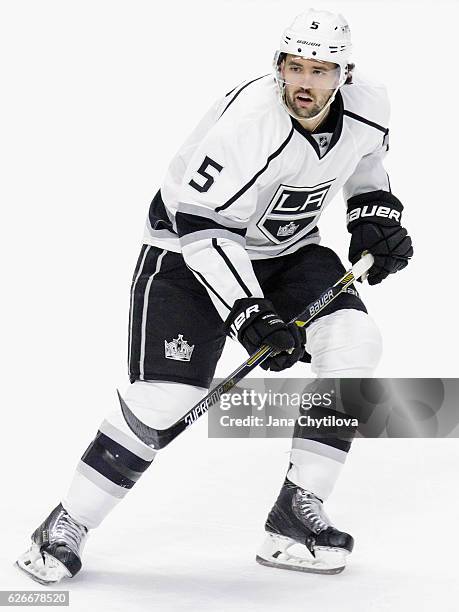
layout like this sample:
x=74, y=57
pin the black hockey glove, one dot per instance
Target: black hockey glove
x=374, y=220
x=253, y=321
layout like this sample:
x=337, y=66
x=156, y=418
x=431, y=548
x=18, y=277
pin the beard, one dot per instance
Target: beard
x=313, y=108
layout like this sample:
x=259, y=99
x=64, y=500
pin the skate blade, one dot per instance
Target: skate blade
x=274, y=553
x=47, y=572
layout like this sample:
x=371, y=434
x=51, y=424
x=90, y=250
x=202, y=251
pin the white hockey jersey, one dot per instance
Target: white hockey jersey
x=250, y=182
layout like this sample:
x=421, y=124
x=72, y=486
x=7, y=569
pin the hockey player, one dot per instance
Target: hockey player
x=231, y=246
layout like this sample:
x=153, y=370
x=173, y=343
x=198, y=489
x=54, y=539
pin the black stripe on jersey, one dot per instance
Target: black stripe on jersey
x=209, y=287
x=234, y=89
x=158, y=216
x=187, y=224
x=366, y=121
x=259, y=173
x=228, y=262
x=241, y=90
x=114, y=461
x=338, y=110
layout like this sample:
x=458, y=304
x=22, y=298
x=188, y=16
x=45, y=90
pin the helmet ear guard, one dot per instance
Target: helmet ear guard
x=350, y=70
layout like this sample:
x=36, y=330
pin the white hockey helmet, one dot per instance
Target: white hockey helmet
x=317, y=35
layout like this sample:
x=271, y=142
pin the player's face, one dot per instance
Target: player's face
x=309, y=84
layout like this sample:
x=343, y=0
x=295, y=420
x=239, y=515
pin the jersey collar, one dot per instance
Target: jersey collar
x=333, y=123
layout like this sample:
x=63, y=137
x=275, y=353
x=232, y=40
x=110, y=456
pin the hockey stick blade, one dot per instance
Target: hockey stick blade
x=159, y=438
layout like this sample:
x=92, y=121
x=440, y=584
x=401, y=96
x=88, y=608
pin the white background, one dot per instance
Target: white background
x=96, y=98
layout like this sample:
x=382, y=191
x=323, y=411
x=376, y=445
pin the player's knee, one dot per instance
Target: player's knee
x=159, y=403
x=344, y=343
x=367, y=338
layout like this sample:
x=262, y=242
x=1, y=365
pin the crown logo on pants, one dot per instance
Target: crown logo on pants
x=178, y=349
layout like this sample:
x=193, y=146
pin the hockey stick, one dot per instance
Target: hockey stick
x=159, y=438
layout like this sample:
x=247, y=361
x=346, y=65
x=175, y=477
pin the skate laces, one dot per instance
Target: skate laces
x=310, y=508
x=70, y=531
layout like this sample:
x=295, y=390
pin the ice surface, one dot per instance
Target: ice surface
x=185, y=537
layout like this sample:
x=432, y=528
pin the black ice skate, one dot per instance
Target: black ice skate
x=56, y=548
x=298, y=518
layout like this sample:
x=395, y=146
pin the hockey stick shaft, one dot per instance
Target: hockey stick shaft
x=159, y=438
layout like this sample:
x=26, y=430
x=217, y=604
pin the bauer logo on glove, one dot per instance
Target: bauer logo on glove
x=374, y=220
x=254, y=322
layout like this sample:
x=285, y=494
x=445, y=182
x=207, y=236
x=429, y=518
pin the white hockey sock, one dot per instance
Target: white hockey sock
x=116, y=458
x=344, y=344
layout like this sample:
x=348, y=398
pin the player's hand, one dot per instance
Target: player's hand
x=374, y=220
x=390, y=246
x=254, y=322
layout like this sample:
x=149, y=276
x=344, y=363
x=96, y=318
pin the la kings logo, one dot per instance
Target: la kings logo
x=293, y=212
